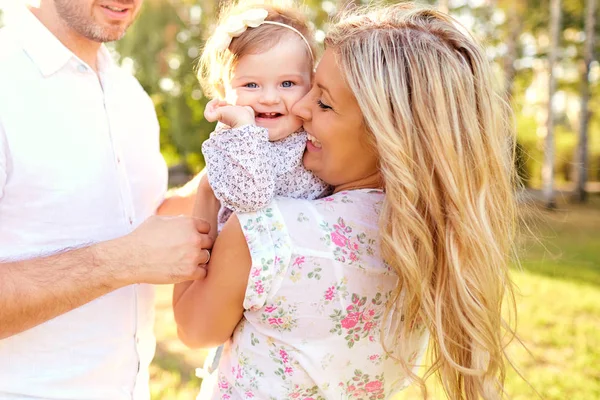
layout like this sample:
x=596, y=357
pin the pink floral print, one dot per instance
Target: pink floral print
x=359, y=319
x=348, y=245
x=280, y=316
x=314, y=306
x=302, y=393
x=361, y=386
x=280, y=357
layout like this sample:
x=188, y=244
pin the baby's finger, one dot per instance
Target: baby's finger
x=250, y=110
x=214, y=103
x=210, y=114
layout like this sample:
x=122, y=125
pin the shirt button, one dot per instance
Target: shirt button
x=81, y=68
x=130, y=221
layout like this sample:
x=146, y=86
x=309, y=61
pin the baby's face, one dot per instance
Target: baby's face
x=271, y=83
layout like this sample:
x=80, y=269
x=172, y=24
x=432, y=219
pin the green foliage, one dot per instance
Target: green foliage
x=163, y=46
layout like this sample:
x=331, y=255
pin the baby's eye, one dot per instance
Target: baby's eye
x=251, y=85
x=287, y=84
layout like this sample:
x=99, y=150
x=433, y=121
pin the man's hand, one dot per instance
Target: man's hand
x=163, y=250
x=232, y=116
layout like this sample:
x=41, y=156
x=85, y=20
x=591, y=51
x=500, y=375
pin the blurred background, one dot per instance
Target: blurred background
x=545, y=54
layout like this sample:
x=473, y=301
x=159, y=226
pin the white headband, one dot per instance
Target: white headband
x=235, y=25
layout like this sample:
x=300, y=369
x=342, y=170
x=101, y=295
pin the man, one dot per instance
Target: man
x=81, y=176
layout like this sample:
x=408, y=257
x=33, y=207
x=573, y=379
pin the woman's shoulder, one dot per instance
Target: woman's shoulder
x=320, y=225
x=303, y=223
x=344, y=201
x=358, y=205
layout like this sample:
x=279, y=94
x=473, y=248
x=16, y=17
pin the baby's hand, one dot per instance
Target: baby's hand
x=232, y=116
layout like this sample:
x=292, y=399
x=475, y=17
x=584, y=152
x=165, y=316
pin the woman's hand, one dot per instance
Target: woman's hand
x=225, y=113
x=206, y=208
x=208, y=310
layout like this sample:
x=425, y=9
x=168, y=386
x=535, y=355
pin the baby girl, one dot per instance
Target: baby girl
x=256, y=66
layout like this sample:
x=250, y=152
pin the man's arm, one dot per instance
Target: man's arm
x=161, y=250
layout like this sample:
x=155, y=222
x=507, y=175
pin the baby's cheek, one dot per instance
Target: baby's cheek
x=296, y=124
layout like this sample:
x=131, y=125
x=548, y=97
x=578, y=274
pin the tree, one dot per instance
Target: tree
x=581, y=152
x=515, y=26
x=549, y=150
x=163, y=46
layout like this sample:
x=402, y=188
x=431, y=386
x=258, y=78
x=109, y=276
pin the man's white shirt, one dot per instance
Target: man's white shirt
x=79, y=163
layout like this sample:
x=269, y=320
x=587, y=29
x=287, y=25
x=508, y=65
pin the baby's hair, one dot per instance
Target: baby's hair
x=216, y=66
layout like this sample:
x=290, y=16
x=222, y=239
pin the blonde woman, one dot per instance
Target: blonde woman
x=336, y=298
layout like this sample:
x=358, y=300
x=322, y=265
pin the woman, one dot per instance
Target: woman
x=332, y=298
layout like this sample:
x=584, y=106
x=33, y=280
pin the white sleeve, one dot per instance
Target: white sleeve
x=3, y=160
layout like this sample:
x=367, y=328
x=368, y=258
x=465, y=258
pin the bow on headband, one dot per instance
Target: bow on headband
x=235, y=25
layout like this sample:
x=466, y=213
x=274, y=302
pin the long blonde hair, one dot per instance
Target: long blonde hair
x=445, y=145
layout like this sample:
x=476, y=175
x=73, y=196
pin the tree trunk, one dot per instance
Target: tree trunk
x=515, y=22
x=443, y=6
x=548, y=167
x=581, y=152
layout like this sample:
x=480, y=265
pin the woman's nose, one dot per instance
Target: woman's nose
x=302, y=108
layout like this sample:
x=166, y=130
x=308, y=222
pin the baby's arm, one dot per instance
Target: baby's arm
x=240, y=167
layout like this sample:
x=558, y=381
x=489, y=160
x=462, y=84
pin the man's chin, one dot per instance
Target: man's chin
x=107, y=35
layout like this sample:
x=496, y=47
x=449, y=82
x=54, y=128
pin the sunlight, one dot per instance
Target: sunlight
x=7, y=8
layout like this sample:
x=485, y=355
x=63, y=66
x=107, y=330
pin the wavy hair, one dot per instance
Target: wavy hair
x=445, y=143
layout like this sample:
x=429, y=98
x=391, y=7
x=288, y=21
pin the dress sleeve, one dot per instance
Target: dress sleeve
x=271, y=251
x=303, y=184
x=294, y=180
x=240, y=167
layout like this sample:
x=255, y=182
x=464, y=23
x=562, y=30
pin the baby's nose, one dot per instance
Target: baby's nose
x=269, y=96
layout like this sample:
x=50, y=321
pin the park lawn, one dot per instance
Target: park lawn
x=558, y=320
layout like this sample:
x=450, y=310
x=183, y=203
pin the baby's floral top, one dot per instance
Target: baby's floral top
x=314, y=306
x=246, y=171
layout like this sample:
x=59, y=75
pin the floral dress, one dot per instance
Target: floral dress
x=246, y=170
x=314, y=306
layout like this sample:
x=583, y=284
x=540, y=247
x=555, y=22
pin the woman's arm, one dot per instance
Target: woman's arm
x=208, y=310
x=206, y=207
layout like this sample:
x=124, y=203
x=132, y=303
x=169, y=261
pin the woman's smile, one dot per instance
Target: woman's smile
x=312, y=144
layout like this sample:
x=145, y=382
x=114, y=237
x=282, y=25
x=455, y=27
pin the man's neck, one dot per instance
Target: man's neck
x=82, y=47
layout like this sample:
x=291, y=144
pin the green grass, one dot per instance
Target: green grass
x=558, y=320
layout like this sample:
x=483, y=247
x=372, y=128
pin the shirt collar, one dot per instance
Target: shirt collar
x=46, y=51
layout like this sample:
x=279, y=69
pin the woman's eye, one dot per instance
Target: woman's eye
x=251, y=85
x=287, y=84
x=323, y=105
